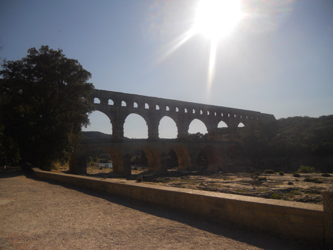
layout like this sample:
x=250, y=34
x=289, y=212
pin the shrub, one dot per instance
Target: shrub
x=296, y=175
x=92, y=163
x=290, y=183
x=262, y=179
x=326, y=175
x=269, y=171
x=315, y=180
x=281, y=173
x=306, y=169
x=275, y=196
x=139, y=179
x=255, y=175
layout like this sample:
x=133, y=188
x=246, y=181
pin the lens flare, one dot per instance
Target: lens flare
x=217, y=18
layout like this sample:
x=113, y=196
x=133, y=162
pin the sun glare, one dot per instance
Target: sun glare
x=217, y=18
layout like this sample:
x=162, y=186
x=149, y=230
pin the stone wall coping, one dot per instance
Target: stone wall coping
x=241, y=198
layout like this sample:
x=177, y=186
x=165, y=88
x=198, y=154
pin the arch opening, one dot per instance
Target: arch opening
x=197, y=130
x=222, y=132
x=167, y=128
x=241, y=131
x=135, y=127
x=110, y=102
x=172, y=160
x=139, y=160
x=97, y=100
x=123, y=104
x=98, y=162
x=100, y=126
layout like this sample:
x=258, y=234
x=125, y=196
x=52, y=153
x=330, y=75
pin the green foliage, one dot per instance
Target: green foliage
x=261, y=178
x=139, y=179
x=275, y=196
x=287, y=137
x=92, y=163
x=197, y=137
x=281, y=173
x=296, y=175
x=306, y=169
x=269, y=171
x=44, y=104
x=256, y=173
x=140, y=159
x=326, y=175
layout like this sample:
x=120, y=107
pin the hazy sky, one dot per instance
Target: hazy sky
x=277, y=60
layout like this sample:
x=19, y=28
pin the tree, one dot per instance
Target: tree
x=44, y=103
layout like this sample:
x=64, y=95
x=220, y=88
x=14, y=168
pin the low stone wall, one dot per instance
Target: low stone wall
x=295, y=220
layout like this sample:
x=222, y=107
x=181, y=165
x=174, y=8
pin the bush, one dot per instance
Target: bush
x=326, y=175
x=315, y=180
x=262, y=179
x=255, y=175
x=306, y=169
x=275, y=196
x=269, y=171
x=139, y=179
x=281, y=173
x=92, y=163
x=296, y=175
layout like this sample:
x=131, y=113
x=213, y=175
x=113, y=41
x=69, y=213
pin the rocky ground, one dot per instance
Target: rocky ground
x=308, y=187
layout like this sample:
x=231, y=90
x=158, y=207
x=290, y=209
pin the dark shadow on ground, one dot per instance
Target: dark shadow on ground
x=11, y=171
x=247, y=235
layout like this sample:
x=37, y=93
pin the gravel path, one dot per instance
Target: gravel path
x=35, y=214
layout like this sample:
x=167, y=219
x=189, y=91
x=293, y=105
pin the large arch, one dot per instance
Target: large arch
x=197, y=126
x=135, y=126
x=99, y=122
x=167, y=128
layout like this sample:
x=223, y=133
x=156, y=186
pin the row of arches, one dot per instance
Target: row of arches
x=136, y=127
x=208, y=157
x=156, y=107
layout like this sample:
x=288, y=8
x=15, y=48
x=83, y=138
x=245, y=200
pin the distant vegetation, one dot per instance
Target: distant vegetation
x=291, y=137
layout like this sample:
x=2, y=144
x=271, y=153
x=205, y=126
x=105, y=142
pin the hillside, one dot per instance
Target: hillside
x=94, y=135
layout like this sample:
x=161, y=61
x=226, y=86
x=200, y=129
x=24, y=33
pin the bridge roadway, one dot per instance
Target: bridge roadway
x=157, y=151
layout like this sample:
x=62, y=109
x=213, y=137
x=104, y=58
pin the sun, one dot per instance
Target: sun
x=217, y=18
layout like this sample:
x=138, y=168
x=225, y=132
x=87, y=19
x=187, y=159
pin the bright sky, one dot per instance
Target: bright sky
x=276, y=58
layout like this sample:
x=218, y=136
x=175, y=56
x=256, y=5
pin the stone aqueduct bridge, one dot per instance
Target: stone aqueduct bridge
x=117, y=106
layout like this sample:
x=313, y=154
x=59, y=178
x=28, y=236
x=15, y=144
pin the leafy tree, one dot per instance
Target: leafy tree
x=44, y=104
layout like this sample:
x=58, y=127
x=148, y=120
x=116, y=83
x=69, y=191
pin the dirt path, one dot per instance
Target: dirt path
x=35, y=214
